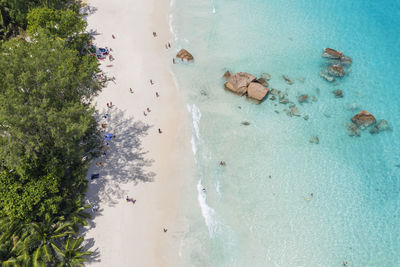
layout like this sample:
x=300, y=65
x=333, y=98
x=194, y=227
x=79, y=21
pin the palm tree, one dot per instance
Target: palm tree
x=79, y=217
x=72, y=253
x=42, y=239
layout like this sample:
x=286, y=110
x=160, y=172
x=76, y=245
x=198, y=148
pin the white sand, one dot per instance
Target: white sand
x=122, y=233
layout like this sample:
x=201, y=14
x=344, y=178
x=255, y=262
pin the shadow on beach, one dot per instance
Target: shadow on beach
x=125, y=162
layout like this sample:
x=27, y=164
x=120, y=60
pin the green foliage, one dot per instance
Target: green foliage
x=72, y=253
x=46, y=125
x=60, y=23
x=48, y=134
x=64, y=24
x=14, y=13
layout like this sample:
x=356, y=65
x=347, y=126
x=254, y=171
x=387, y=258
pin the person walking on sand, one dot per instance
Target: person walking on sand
x=154, y=34
x=130, y=89
x=159, y=130
x=157, y=95
x=113, y=36
x=151, y=82
x=148, y=110
x=108, y=105
x=173, y=60
x=169, y=45
x=144, y=113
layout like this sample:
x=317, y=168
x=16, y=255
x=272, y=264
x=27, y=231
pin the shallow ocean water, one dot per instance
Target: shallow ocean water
x=255, y=211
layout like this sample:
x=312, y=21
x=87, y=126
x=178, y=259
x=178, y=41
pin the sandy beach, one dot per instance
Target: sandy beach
x=140, y=162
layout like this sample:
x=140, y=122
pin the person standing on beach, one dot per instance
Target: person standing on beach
x=157, y=95
x=151, y=82
x=173, y=60
x=130, y=90
x=154, y=34
x=159, y=130
x=169, y=45
x=113, y=36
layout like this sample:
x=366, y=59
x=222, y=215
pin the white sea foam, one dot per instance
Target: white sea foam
x=196, y=115
x=207, y=212
x=218, y=189
x=194, y=147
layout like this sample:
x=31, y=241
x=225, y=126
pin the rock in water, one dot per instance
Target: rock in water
x=262, y=81
x=287, y=79
x=246, y=123
x=326, y=76
x=238, y=82
x=338, y=93
x=352, y=129
x=227, y=74
x=256, y=91
x=183, y=54
x=274, y=92
x=382, y=125
x=363, y=118
x=336, y=70
x=294, y=111
x=352, y=106
x=314, y=140
x=332, y=53
x=266, y=76
x=284, y=101
x=302, y=98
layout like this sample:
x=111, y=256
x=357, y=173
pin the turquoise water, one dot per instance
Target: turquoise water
x=257, y=209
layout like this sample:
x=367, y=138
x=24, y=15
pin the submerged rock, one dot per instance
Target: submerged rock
x=381, y=126
x=266, y=76
x=306, y=117
x=336, y=70
x=272, y=97
x=227, y=74
x=363, y=119
x=338, y=93
x=352, y=106
x=256, y=91
x=275, y=92
x=326, y=76
x=287, y=79
x=302, y=98
x=238, y=82
x=294, y=111
x=332, y=53
x=314, y=140
x=283, y=100
x=352, y=129
x=184, y=54
x=262, y=81
x=246, y=123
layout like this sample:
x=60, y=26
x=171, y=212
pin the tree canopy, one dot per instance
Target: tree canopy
x=46, y=124
x=48, y=133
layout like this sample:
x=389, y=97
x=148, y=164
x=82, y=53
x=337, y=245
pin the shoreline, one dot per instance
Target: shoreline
x=119, y=233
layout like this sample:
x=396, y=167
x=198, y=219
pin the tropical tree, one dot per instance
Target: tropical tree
x=46, y=127
x=42, y=239
x=72, y=253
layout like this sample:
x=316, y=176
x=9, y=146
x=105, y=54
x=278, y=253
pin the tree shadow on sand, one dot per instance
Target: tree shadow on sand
x=124, y=158
x=124, y=162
